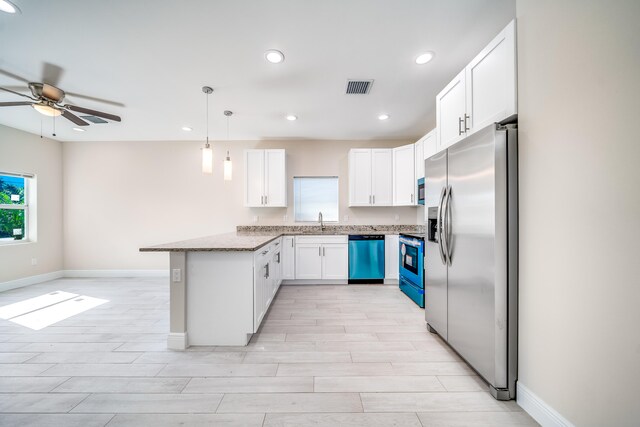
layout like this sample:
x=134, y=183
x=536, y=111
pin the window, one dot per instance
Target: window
x=14, y=207
x=315, y=194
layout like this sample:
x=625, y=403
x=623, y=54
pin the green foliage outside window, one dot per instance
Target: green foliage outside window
x=11, y=219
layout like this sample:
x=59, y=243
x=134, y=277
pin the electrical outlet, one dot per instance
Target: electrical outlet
x=396, y=217
x=255, y=218
x=345, y=218
x=34, y=261
x=285, y=218
x=176, y=275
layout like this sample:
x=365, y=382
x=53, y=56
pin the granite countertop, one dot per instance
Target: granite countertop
x=217, y=242
x=253, y=237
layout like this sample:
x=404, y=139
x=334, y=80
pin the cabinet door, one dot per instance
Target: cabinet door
x=360, y=177
x=259, y=283
x=404, y=177
x=430, y=145
x=308, y=261
x=288, y=258
x=419, y=158
x=253, y=178
x=391, y=257
x=382, y=177
x=450, y=111
x=275, y=178
x=335, y=261
x=491, y=86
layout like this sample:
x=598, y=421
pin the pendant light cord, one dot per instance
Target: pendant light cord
x=207, y=119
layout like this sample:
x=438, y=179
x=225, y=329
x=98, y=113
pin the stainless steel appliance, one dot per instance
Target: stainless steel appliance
x=411, y=247
x=421, y=191
x=471, y=289
x=366, y=259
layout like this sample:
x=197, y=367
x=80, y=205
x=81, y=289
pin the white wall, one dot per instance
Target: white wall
x=120, y=196
x=22, y=152
x=579, y=92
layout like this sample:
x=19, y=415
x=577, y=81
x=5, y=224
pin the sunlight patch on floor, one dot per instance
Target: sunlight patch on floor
x=39, y=312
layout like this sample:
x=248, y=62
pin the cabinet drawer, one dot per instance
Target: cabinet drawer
x=322, y=239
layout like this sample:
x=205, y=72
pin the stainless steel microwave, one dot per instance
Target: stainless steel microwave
x=421, y=191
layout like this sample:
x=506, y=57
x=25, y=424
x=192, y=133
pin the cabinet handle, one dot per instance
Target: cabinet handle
x=459, y=125
x=369, y=198
x=323, y=253
x=319, y=251
x=266, y=200
x=412, y=198
x=466, y=128
x=291, y=242
x=374, y=199
x=262, y=200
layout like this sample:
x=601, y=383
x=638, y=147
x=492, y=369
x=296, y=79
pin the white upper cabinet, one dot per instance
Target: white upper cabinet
x=491, y=81
x=429, y=145
x=450, y=111
x=265, y=178
x=419, y=158
x=382, y=177
x=370, y=177
x=360, y=177
x=404, y=176
x=483, y=93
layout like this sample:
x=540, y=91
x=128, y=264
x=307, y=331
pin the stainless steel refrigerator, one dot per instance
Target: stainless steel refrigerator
x=471, y=259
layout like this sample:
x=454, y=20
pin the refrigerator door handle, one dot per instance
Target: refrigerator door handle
x=439, y=225
x=447, y=226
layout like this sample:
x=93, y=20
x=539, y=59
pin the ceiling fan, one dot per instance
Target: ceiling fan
x=47, y=99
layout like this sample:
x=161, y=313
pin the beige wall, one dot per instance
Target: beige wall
x=579, y=92
x=22, y=152
x=120, y=196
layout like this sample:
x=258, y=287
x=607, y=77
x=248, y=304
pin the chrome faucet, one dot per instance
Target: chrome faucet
x=320, y=221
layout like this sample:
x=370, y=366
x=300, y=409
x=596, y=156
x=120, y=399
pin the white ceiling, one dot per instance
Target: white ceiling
x=154, y=56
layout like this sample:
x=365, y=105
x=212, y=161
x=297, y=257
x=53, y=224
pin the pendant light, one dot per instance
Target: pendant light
x=228, y=166
x=207, y=151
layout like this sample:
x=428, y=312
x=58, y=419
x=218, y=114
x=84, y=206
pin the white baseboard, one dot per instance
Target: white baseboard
x=539, y=409
x=31, y=280
x=177, y=341
x=116, y=273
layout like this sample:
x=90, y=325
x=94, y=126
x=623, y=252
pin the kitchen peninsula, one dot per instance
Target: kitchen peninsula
x=221, y=286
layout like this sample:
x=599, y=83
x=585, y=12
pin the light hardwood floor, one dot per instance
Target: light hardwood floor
x=325, y=356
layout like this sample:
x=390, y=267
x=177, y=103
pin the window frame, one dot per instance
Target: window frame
x=337, y=178
x=23, y=207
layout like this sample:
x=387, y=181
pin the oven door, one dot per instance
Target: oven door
x=411, y=260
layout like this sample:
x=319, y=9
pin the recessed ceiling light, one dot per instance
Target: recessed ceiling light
x=8, y=7
x=424, y=58
x=274, y=56
x=383, y=117
x=78, y=129
x=291, y=117
x=187, y=128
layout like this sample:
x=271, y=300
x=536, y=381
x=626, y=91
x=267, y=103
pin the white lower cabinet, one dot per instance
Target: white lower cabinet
x=267, y=279
x=321, y=258
x=335, y=261
x=391, y=257
x=288, y=252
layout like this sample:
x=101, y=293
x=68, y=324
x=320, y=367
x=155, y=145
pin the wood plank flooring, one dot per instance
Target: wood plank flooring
x=325, y=356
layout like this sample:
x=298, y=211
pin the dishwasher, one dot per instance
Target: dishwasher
x=366, y=258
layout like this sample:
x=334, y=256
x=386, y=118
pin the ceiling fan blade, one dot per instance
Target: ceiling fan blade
x=94, y=113
x=13, y=76
x=51, y=73
x=13, y=104
x=95, y=99
x=17, y=93
x=75, y=119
